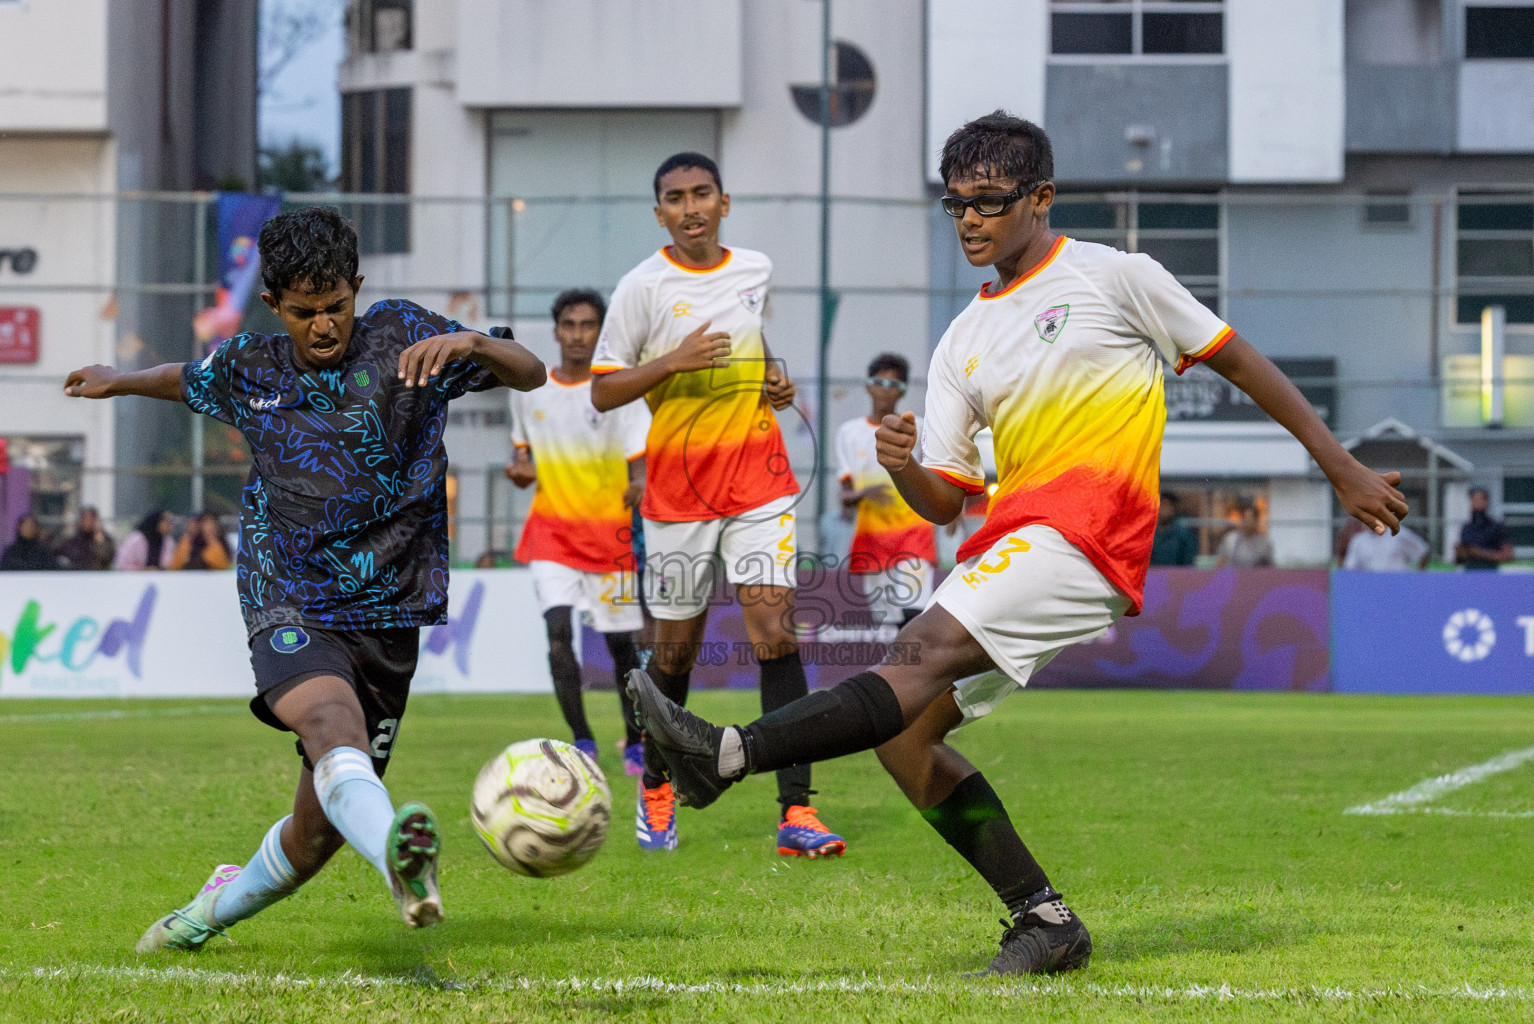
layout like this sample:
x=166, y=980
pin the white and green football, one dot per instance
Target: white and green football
x=542, y=808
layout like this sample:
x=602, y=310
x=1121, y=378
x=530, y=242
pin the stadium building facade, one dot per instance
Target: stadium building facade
x=1346, y=181
x=99, y=101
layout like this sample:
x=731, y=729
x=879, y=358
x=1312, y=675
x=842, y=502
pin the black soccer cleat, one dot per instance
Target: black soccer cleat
x=1048, y=937
x=689, y=745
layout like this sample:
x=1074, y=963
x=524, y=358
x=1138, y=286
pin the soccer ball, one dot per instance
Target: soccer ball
x=542, y=808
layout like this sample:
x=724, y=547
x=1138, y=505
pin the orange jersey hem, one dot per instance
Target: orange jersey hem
x=1185, y=360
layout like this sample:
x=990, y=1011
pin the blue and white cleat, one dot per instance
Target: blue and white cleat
x=655, y=819
x=194, y=924
x=633, y=759
x=802, y=835
x=587, y=747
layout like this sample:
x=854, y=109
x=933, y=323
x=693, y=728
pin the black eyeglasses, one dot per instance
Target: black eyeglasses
x=987, y=204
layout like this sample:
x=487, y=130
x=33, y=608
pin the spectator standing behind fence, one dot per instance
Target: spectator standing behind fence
x=1247, y=546
x=202, y=546
x=1174, y=543
x=1483, y=542
x=148, y=546
x=29, y=552
x=89, y=548
x=1371, y=552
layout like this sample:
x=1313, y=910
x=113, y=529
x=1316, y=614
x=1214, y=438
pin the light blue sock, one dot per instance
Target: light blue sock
x=355, y=801
x=265, y=880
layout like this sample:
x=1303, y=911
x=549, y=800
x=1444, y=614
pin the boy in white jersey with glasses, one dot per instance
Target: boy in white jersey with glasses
x=684, y=332
x=1062, y=357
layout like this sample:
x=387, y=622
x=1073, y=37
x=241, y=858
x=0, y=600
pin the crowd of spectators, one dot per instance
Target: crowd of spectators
x=153, y=544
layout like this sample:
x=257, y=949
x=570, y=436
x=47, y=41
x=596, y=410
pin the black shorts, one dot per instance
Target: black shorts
x=378, y=663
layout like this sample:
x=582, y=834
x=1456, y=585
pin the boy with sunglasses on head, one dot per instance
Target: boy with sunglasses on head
x=894, y=550
x=685, y=334
x=1062, y=357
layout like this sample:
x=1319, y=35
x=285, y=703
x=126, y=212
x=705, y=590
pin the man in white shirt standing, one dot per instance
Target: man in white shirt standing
x=1373, y=552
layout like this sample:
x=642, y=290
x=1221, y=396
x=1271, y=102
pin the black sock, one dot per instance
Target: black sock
x=675, y=687
x=625, y=660
x=856, y=714
x=783, y=682
x=566, y=671
x=974, y=823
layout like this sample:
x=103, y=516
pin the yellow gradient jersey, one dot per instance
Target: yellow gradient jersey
x=714, y=448
x=1065, y=367
x=887, y=529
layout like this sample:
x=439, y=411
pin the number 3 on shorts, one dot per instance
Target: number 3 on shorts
x=385, y=737
x=1011, y=546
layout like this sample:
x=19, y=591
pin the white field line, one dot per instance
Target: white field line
x=1414, y=800
x=109, y=716
x=649, y=984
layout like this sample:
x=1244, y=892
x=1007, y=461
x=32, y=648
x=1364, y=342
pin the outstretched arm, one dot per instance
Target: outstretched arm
x=513, y=365
x=162, y=382
x=700, y=350
x=1369, y=497
x=934, y=499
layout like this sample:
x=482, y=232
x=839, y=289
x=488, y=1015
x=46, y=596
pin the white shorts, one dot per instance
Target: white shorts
x=900, y=585
x=1029, y=597
x=608, y=601
x=682, y=560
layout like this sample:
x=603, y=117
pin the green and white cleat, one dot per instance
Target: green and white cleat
x=192, y=925
x=412, y=855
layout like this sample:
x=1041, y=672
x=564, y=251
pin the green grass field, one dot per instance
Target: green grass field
x=1201, y=836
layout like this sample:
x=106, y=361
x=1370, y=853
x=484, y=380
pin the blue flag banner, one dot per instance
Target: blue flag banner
x=240, y=216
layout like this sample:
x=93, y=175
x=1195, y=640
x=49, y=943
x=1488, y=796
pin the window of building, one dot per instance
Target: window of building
x=1137, y=27
x=1518, y=507
x=379, y=26
x=852, y=87
x=1388, y=209
x=375, y=159
x=1494, y=255
x=1182, y=233
x=1504, y=32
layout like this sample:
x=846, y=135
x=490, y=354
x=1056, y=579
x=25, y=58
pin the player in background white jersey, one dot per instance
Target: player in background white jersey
x=1061, y=356
x=590, y=470
x=685, y=333
x=894, y=550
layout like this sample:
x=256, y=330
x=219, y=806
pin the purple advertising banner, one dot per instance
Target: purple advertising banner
x=1245, y=629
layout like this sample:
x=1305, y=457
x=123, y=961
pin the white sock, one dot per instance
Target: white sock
x=265, y=880
x=355, y=801
x=732, y=753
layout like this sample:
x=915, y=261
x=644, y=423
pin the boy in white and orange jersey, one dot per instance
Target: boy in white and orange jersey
x=685, y=334
x=590, y=470
x=894, y=550
x=1061, y=357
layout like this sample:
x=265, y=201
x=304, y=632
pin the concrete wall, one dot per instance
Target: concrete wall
x=1496, y=106
x=53, y=67
x=1286, y=90
x=972, y=70
x=598, y=53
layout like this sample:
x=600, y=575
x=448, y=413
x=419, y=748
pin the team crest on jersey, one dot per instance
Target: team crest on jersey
x=751, y=298
x=362, y=379
x=593, y=418
x=288, y=639
x=1051, y=322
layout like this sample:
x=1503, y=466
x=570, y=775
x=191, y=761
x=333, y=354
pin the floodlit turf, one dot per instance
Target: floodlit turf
x=1201, y=836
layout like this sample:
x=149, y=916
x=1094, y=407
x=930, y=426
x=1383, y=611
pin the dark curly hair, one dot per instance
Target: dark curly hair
x=313, y=247
x=678, y=161
x=999, y=145
x=578, y=297
x=891, y=361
